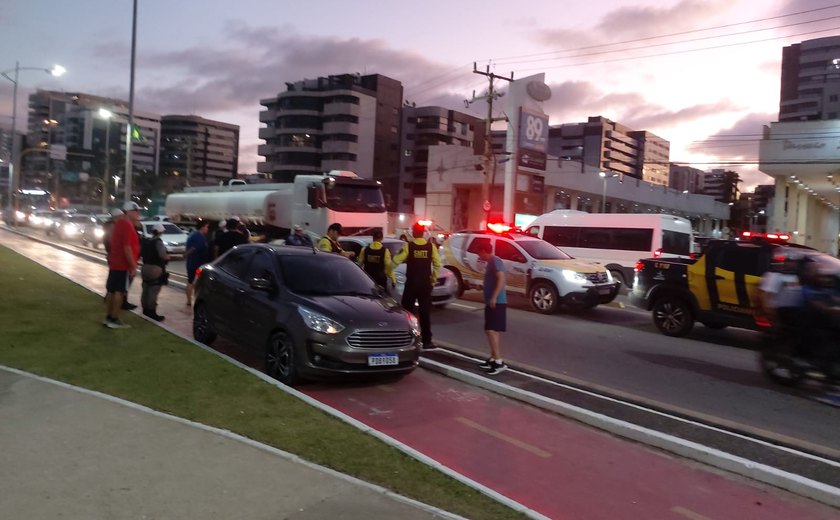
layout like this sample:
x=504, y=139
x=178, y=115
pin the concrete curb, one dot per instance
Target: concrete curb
x=756, y=471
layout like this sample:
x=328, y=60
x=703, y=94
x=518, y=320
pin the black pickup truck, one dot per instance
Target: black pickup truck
x=719, y=289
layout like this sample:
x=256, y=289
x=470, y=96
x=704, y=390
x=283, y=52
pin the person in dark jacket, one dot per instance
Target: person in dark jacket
x=422, y=266
x=375, y=259
x=230, y=238
x=153, y=273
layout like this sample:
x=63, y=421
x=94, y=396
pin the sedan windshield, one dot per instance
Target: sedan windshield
x=542, y=250
x=325, y=274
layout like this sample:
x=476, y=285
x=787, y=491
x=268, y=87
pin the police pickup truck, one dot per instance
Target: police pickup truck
x=718, y=289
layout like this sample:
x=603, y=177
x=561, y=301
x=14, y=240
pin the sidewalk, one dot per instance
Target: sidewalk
x=69, y=453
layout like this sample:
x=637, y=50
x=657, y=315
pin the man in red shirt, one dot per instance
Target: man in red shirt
x=122, y=264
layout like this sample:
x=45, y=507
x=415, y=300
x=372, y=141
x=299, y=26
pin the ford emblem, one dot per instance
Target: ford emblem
x=383, y=323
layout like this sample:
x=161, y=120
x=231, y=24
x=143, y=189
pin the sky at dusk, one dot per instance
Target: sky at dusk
x=702, y=74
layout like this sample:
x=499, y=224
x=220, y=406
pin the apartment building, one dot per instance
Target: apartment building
x=197, y=151
x=340, y=122
x=722, y=185
x=810, y=86
x=612, y=147
x=423, y=127
x=685, y=178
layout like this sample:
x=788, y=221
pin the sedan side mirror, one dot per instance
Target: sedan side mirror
x=262, y=284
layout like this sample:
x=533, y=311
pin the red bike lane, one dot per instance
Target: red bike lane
x=553, y=465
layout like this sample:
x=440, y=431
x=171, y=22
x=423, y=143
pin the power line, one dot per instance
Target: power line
x=643, y=47
x=672, y=34
x=681, y=51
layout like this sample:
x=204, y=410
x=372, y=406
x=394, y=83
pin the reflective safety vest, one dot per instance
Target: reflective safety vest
x=418, y=264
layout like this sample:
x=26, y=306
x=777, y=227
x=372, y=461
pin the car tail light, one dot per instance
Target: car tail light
x=639, y=266
x=197, y=273
x=657, y=253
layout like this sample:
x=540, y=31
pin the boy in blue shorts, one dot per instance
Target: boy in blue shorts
x=495, y=310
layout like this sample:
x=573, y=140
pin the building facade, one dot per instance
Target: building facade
x=685, y=178
x=342, y=122
x=96, y=146
x=810, y=86
x=612, y=147
x=197, y=151
x=722, y=185
x=423, y=127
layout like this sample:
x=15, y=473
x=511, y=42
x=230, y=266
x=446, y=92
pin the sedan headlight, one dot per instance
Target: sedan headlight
x=99, y=232
x=574, y=276
x=70, y=229
x=320, y=323
x=414, y=323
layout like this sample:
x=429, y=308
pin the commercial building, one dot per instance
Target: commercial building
x=341, y=122
x=800, y=151
x=197, y=151
x=811, y=80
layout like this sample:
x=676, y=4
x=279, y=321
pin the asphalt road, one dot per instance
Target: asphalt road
x=711, y=375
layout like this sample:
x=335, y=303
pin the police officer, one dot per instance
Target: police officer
x=375, y=259
x=329, y=242
x=422, y=265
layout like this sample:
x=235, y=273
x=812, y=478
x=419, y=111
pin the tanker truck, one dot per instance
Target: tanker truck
x=312, y=201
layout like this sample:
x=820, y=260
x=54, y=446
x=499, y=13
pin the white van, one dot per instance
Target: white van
x=615, y=240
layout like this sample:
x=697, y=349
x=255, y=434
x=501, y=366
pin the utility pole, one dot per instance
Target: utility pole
x=491, y=95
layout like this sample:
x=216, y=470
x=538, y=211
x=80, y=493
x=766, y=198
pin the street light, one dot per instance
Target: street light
x=106, y=115
x=14, y=177
x=605, y=176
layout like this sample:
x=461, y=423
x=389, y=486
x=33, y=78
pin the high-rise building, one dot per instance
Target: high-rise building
x=197, y=151
x=811, y=80
x=342, y=122
x=612, y=147
x=428, y=126
x=686, y=178
x=74, y=121
x=722, y=185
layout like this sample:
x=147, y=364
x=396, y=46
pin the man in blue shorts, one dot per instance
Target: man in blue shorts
x=495, y=310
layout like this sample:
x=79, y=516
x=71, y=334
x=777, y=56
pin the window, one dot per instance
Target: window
x=262, y=266
x=676, y=243
x=476, y=243
x=561, y=236
x=746, y=259
x=348, y=245
x=507, y=251
x=236, y=263
x=833, y=98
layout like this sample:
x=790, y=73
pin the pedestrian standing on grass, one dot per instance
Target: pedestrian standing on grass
x=196, y=255
x=122, y=264
x=153, y=273
x=495, y=310
x=422, y=263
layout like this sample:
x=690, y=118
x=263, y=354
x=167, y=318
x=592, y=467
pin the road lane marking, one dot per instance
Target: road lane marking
x=501, y=436
x=689, y=513
x=462, y=306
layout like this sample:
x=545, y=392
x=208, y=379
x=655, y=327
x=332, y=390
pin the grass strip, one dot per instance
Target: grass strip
x=52, y=327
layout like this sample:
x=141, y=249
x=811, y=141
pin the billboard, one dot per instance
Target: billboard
x=533, y=130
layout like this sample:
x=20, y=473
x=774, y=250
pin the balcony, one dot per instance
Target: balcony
x=339, y=146
x=341, y=108
x=340, y=127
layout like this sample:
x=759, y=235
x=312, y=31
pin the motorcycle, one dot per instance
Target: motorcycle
x=788, y=360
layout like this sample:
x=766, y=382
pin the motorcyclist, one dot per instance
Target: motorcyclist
x=822, y=315
x=780, y=300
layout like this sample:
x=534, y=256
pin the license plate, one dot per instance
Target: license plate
x=604, y=290
x=378, y=360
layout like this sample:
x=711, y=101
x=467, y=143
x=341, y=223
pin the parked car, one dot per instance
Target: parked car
x=543, y=273
x=314, y=314
x=174, y=238
x=446, y=288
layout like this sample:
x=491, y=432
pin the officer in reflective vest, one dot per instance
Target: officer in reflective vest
x=375, y=259
x=422, y=266
x=329, y=242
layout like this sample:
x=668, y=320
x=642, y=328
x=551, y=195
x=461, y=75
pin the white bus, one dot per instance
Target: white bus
x=615, y=240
